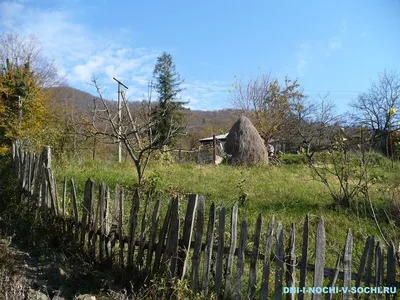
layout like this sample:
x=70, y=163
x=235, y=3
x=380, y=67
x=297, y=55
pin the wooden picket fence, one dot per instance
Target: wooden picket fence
x=187, y=249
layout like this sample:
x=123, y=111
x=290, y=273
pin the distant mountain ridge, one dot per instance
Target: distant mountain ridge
x=200, y=122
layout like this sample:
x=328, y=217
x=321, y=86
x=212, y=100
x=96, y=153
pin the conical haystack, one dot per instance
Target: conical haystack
x=244, y=145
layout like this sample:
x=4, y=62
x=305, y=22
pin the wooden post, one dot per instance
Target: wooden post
x=214, y=149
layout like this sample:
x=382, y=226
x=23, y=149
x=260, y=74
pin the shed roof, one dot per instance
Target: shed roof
x=219, y=137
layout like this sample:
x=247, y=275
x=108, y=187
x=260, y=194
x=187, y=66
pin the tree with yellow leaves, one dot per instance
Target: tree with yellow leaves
x=268, y=103
x=25, y=108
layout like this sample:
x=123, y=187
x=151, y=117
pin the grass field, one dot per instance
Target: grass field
x=288, y=192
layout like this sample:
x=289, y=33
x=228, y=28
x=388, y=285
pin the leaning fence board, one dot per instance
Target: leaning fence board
x=161, y=239
x=220, y=252
x=347, y=263
x=121, y=228
x=209, y=248
x=139, y=259
x=231, y=251
x=194, y=276
x=187, y=235
x=361, y=267
x=132, y=227
x=114, y=222
x=106, y=224
x=368, y=276
x=169, y=243
x=171, y=248
x=267, y=261
x=153, y=232
x=378, y=265
x=254, y=259
x=391, y=268
x=237, y=288
x=304, y=259
x=87, y=213
x=101, y=209
x=291, y=262
x=93, y=232
x=64, y=197
x=279, y=262
x=56, y=193
x=332, y=284
x=51, y=190
x=75, y=209
x=320, y=242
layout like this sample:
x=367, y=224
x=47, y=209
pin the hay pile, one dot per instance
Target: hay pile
x=244, y=145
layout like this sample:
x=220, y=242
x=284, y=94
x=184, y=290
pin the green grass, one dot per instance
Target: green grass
x=288, y=192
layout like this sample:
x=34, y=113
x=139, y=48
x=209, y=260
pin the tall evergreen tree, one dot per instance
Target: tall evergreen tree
x=168, y=114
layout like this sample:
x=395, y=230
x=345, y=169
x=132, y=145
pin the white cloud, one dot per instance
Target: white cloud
x=80, y=54
x=205, y=95
x=301, y=55
x=335, y=43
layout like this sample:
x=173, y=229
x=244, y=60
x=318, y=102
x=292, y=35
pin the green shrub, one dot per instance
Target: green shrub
x=293, y=159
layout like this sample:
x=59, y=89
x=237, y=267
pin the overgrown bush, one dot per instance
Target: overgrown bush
x=293, y=159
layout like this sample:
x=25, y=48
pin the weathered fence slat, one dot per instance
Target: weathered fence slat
x=132, y=227
x=161, y=239
x=187, y=235
x=231, y=251
x=209, y=248
x=171, y=248
x=57, y=198
x=194, y=276
x=139, y=259
x=361, y=268
x=332, y=283
x=237, y=288
x=254, y=259
x=368, y=276
x=64, y=196
x=121, y=230
x=114, y=222
x=391, y=268
x=291, y=262
x=347, y=263
x=101, y=209
x=87, y=209
x=320, y=242
x=304, y=259
x=220, y=253
x=106, y=230
x=51, y=190
x=75, y=209
x=378, y=265
x=267, y=261
x=153, y=233
x=93, y=232
x=279, y=262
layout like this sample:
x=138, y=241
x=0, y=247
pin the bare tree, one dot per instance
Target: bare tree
x=20, y=50
x=269, y=104
x=316, y=120
x=137, y=129
x=372, y=109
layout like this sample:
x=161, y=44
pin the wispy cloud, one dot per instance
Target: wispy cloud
x=335, y=43
x=80, y=54
x=311, y=50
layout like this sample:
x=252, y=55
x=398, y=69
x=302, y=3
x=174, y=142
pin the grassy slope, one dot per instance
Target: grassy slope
x=288, y=192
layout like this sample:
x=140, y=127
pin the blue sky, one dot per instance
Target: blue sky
x=330, y=46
